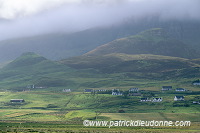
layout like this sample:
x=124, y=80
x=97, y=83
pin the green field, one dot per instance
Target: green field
x=64, y=112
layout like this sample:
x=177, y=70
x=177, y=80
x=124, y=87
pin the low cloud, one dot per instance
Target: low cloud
x=48, y=16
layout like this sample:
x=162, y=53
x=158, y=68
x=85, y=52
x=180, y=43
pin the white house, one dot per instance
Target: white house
x=196, y=83
x=66, y=90
x=133, y=89
x=196, y=102
x=116, y=92
x=179, y=98
x=157, y=99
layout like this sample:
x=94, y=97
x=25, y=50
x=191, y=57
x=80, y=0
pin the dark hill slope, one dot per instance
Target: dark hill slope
x=118, y=62
x=154, y=41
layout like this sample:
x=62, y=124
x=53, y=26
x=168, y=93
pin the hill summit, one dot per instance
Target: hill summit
x=26, y=59
x=153, y=41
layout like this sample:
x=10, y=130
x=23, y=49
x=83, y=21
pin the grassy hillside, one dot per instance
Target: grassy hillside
x=31, y=68
x=140, y=66
x=107, y=71
x=26, y=59
x=154, y=41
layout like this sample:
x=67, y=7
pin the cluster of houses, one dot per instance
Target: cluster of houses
x=166, y=88
x=176, y=98
x=145, y=99
x=135, y=92
x=131, y=92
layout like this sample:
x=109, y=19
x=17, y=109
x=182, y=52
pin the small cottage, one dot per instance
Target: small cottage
x=179, y=98
x=133, y=89
x=196, y=102
x=197, y=82
x=66, y=90
x=17, y=100
x=157, y=100
x=116, y=92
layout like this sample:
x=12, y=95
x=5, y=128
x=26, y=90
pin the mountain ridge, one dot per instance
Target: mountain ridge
x=153, y=41
x=107, y=65
x=57, y=46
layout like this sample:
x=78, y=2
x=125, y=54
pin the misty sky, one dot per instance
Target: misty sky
x=20, y=18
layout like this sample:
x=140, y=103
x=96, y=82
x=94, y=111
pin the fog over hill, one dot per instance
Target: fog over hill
x=65, y=28
x=42, y=17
